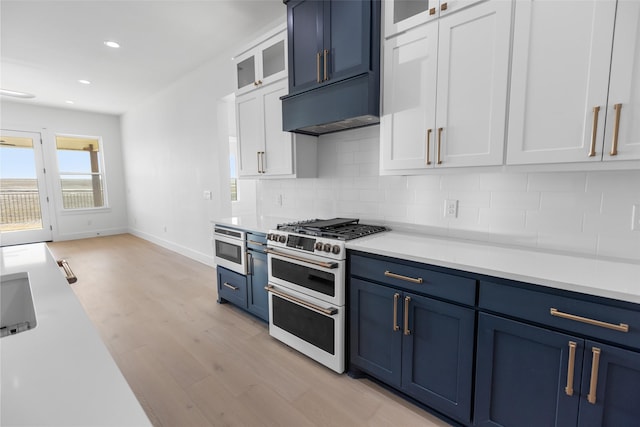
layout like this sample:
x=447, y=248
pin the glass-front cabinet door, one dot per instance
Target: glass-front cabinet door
x=401, y=15
x=262, y=64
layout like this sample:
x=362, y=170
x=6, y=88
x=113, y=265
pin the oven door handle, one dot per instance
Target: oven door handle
x=328, y=311
x=303, y=259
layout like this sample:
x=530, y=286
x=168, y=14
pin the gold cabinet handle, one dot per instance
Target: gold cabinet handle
x=444, y=6
x=407, y=300
x=401, y=277
x=571, y=368
x=318, y=68
x=396, y=297
x=616, y=129
x=432, y=11
x=622, y=327
x=439, y=159
x=68, y=273
x=593, y=384
x=429, y=146
x=326, y=75
x=594, y=131
x=258, y=160
x=234, y=288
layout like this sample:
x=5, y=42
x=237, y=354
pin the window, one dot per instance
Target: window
x=81, y=173
x=233, y=167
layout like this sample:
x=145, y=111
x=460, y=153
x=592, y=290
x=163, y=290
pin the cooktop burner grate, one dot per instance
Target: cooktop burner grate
x=337, y=228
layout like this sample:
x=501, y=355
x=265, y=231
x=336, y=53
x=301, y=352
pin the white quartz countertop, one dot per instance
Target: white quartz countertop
x=60, y=372
x=261, y=224
x=606, y=278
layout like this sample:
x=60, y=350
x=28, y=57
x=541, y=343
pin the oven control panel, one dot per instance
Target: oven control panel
x=329, y=248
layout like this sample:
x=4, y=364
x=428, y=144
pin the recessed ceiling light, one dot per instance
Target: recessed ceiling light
x=16, y=94
x=84, y=82
x=112, y=44
x=69, y=102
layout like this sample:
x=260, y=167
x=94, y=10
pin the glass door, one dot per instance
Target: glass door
x=24, y=213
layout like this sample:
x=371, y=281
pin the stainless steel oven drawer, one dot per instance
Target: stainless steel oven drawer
x=414, y=277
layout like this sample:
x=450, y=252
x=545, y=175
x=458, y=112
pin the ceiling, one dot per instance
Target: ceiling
x=48, y=45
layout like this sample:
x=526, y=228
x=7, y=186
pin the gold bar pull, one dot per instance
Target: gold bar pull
x=258, y=160
x=594, y=131
x=401, y=277
x=439, y=160
x=616, y=129
x=571, y=368
x=235, y=288
x=432, y=11
x=396, y=297
x=444, y=6
x=429, y=146
x=318, y=68
x=593, y=385
x=68, y=273
x=622, y=327
x=407, y=300
x=326, y=75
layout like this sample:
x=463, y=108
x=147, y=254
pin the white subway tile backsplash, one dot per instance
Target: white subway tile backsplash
x=582, y=212
x=557, y=181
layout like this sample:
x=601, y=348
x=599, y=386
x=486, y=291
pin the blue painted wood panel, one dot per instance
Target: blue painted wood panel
x=257, y=296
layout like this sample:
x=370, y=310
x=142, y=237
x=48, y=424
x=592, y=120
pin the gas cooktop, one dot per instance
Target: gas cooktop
x=336, y=228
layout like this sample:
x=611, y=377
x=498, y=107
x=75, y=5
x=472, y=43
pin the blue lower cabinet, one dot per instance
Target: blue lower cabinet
x=521, y=375
x=232, y=287
x=421, y=346
x=615, y=395
x=258, y=297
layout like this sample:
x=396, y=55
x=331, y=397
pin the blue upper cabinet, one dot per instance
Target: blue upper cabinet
x=329, y=41
x=334, y=65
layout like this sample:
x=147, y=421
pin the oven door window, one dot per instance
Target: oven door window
x=229, y=251
x=315, y=328
x=301, y=275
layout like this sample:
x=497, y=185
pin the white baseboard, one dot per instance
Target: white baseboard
x=206, y=259
x=88, y=234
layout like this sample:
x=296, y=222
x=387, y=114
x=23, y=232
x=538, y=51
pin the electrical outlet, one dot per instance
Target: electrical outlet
x=207, y=195
x=635, y=218
x=451, y=208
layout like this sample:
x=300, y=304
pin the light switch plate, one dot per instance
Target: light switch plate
x=635, y=218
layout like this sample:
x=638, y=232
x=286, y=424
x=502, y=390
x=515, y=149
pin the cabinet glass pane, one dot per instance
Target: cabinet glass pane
x=246, y=72
x=403, y=9
x=273, y=59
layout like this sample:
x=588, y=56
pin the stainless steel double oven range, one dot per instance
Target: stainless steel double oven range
x=307, y=268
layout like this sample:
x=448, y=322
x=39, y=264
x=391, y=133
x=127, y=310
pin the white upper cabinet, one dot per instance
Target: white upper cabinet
x=263, y=63
x=563, y=97
x=624, y=87
x=402, y=15
x=445, y=92
x=264, y=149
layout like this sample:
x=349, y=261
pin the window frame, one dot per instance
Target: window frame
x=102, y=174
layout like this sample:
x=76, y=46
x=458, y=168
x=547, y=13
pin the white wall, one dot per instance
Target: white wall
x=583, y=212
x=51, y=121
x=174, y=151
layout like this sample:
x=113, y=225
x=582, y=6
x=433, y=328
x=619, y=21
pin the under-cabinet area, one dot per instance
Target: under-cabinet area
x=488, y=351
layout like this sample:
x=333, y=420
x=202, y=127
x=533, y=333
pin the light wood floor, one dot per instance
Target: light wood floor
x=193, y=362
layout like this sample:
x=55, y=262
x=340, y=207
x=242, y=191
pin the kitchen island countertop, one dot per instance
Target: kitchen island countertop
x=616, y=279
x=60, y=372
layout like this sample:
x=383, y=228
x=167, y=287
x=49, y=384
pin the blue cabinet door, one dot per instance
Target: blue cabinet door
x=347, y=37
x=437, y=355
x=521, y=375
x=376, y=333
x=330, y=41
x=257, y=295
x=616, y=391
x=305, y=26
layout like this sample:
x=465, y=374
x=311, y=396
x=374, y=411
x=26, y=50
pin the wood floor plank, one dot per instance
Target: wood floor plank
x=193, y=362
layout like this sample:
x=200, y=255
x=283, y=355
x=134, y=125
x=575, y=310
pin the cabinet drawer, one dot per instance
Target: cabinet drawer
x=232, y=287
x=415, y=277
x=593, y=319
x=256, y=241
